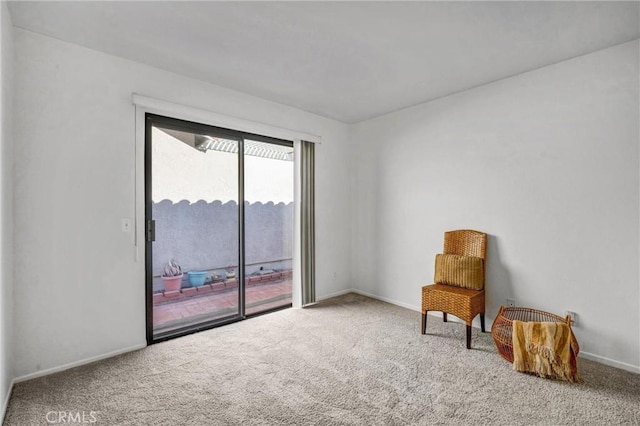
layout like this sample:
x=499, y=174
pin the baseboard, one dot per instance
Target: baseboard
x=336, y=294
x=385, y=299
x=77, y=363
x=6, y=401
x=610, y=362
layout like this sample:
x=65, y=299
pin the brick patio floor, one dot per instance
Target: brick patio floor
x=210, y=306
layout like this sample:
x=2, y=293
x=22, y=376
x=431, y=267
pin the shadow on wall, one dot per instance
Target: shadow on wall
x=498, y=279
x=203, y=236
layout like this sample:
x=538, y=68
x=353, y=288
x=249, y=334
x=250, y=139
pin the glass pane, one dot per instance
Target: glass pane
x=195, y=208
x=268, y=189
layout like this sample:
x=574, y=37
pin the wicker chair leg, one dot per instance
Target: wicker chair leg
x=444, y=317
x=424, y=323
x=482, y=322
x=468, y=337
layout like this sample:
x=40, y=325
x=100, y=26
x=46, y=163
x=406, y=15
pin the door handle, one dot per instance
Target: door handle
x=151, y=230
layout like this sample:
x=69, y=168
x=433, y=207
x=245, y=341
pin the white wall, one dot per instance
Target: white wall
x=6, y=206
x=79, y=292
x=546, y=163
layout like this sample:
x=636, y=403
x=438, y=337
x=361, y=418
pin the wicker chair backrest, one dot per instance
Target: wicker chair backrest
x=466, y=242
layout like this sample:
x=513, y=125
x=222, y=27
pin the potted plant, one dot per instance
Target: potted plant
x=231, y=272
x=197, y=278
x=172, y=276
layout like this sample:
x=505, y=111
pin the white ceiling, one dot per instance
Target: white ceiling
x=350, y=61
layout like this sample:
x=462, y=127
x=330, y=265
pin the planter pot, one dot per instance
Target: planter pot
x=197, y=278
x=172, y=283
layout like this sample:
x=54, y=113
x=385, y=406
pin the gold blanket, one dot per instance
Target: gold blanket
x=545, y=349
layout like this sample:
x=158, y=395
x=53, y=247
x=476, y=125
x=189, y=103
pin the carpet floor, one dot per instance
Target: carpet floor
x=349, y=360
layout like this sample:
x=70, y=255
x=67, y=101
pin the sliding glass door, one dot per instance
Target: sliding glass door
x=219, y=217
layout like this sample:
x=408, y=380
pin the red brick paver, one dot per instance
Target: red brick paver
x=208, y=303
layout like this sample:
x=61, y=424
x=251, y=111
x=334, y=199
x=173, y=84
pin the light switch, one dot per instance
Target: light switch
x=126, y=225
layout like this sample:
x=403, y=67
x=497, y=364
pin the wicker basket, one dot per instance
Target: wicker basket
x=501, y=329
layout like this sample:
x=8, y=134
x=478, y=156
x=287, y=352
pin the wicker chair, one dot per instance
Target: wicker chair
x=464, y=303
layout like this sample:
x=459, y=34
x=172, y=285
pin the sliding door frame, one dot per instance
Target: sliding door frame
x=203, y=129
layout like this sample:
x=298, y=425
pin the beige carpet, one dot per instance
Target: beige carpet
x=350, y=360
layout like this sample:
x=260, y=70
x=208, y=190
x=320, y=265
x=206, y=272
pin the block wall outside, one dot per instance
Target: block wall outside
x=203, y=236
